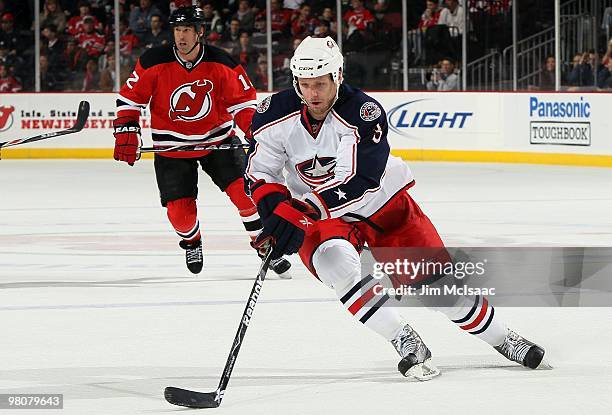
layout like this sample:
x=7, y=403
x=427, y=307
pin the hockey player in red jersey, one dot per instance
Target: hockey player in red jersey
x=320, y=172
x=195, y=92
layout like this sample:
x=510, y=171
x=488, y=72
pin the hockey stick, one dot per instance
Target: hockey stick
x=195, y=147
x=193, y=399
x=82, y=114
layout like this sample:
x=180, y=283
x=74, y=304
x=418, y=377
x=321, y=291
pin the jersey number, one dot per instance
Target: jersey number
x=132, y=79
x=245, y=84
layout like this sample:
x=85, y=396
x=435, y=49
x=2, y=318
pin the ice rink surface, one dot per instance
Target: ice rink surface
x=96, y=302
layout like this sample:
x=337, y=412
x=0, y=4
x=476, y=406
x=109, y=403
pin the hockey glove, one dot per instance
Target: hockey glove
x=286, y=227
x=267, y=197
x=127, y=140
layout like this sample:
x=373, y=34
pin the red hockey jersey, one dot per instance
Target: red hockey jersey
x=190, y=102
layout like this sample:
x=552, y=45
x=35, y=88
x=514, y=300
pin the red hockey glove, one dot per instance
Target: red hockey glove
x=127, y=140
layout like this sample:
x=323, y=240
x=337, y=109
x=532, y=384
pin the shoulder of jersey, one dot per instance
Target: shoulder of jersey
x=357, y=108
x=218, y=55
x=276, y=107
x=156, y=56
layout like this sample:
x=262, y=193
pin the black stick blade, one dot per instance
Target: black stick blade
x=191, y=399
x=82, y=115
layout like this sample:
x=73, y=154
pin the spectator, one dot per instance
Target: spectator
x=7, y=82
x=582, y=72
x=108, y=74
x=157, y=36
x=305, y=23
x=75, y=24
x=444, y=79
x=608, y=56
x=140, y=18
x=52, y=14
x=260, y=80
x=54, y=48
x=358, y=18
x=430, y=16
x=604, y=77
x=124, y=60
x=595, y=61
x=281, y=17
x=322, y=30
x=547, y=76
x=49, y=80
x=89, y=40
x=453, y=16
x=91, y=79
x=74, y=55
x=247, y=54
x=329, y=16
x=127, y=42
x=8, y=33
x=212, y=20
x=230, y=41
x=5, y=57
x=245, y=15
x=214, y=39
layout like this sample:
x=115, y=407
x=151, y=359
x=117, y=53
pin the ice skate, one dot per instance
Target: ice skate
x=416, y=357
x=521, y=350
x=193, y=255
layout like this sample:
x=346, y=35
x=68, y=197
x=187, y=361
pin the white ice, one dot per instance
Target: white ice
x=96, y=302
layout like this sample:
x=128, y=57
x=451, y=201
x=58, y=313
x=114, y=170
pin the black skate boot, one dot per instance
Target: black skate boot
x=280, y=266
x=416, y=357
x=193, y=255
x=521, y=350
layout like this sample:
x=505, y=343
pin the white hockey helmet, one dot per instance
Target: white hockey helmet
x=314, y=57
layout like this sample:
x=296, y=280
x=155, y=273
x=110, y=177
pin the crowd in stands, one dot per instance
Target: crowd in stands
x=78, y=39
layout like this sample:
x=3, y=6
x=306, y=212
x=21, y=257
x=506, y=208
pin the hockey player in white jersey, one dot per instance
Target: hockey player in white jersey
x=342, y=190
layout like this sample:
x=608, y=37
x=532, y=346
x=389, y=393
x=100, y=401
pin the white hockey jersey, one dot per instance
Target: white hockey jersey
x=341, y=167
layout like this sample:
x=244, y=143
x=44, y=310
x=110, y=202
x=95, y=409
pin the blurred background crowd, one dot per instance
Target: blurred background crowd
x=77, y=48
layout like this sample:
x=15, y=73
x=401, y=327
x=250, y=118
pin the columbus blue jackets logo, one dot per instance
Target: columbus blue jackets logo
x=369, y=111
x=264, y=105
x=316, y=171
x=191, y=102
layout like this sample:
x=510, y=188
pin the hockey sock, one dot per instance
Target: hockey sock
x=246, y=208
x=183, y=216
x=337, y=264
x=476, y=316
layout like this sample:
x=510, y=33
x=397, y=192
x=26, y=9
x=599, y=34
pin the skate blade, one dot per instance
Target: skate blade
x=544, y=365
x=423, y=371
x=285, y=275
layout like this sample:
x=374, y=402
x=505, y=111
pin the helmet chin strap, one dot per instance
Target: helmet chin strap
x=197, y=42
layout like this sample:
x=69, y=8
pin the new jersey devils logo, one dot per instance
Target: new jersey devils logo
x=6, y=117
x=316, y=171
x=191, y=102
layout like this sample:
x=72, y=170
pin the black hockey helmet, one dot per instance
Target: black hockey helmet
x=187, y=16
